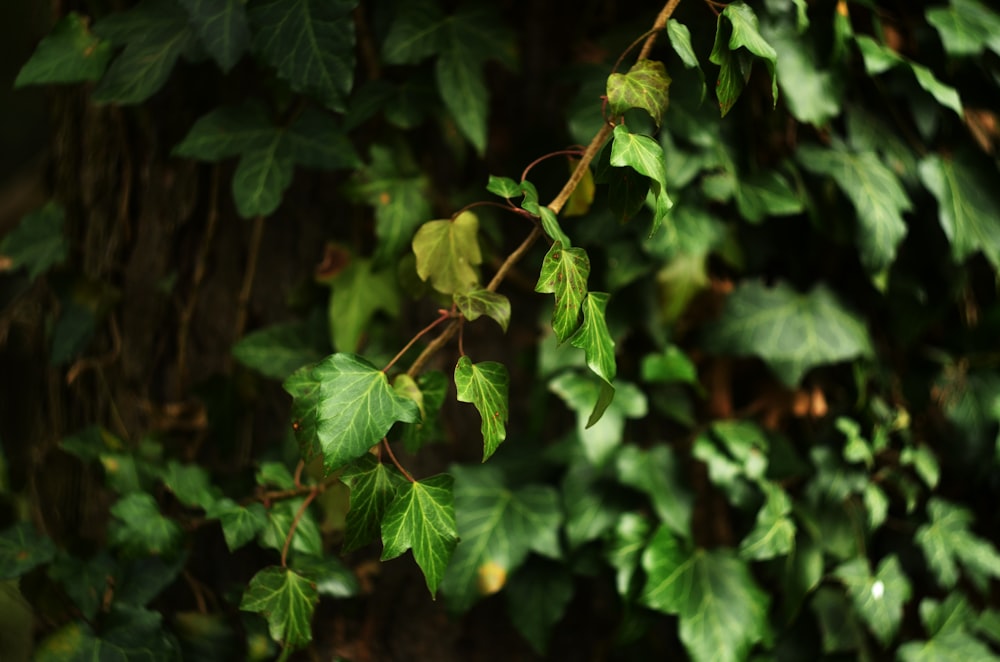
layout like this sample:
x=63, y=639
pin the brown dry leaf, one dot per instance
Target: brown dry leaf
x=984, y=127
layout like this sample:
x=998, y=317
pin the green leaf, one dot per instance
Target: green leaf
x=498, y=526
x=880, y=58
x=447, y=253
x=239, y=525
x=84, y=581
x=222, y=27
x=433, y=388
x=594, y=338
x=722, y=612
x=947, y=543
x=127, y=633
x=307, y=538
x=476, y=303
x=967, y=204
x=773, y=534
x=966, y=27
x=70, y=53
x=876, y=194
x=670, y=365
x=310, y=43
x=951, y=646
x=360, y=291
x=342, y=407
x=422, y=517
x=287, y=600
x=22, y=549
x=792, y=332
x=141, y=530
x=279, y=350
x=155, y=34
x=645, y=156
x=645, y=86
x=812, y=94
x=373, y=487
x=537, y=596
x=735, y=66
x=658, y=474
x=564, y=273
x=879, y=599
x=550, y=224
x=37, y=243
x=625, y=547
x=416, y=32
x=505, y=187
x=191, y=484
x=485, y=386
x=680, y=41
x=331, y=577
x=766, y=194
x=583, y=394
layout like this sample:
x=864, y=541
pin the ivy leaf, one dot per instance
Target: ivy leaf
x=239, y=524
x=722, y=612
x=415, y=34
x=223, y=28
x=564, y=273
x=966, y=27
x=583, y=394
x=359, y=292
x=880, y=58
x=773, y=534
x=645, y=86
x=792, y=332
x=141, y=530
x=537, y=596
x=191, y=484
x=373, y=487
x=485, y=386
x=812, y=94
x=735, y=66
x=951, y=646
x=876, y=194
x=658, y=474
x=310, y=43
x=505, y=187
x=433, y=387
x=279, y=350
x=342, y=407
x=127, y=633
x=967, y=205
x=498, y=526
x=307, y=538
x=670, y=365
x=155, y=34
x=625, y=547
x=287, y=600
x=38, y=242
x=645, y=156
x=70, y=53
x=422, y=517
x=447, y=253
x=22, y=549
x=483, y=302
x=594, y=338
x=766, y=194
x=680, y=40
x=947, y=542
x=879, y=599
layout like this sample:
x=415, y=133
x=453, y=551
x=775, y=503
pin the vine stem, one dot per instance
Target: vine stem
x=658, y=24
x=442, y=316
x=295, y=524
x=392, y=456
x=562, y=152
x=256, y=235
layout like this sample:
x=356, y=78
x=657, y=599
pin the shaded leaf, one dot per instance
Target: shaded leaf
x=564, y=273
x=792, y=332
x=498, y=526
x=360, y=291
x=483, y=302
x=422, y=517
x=433, y=387
x=240, y=524
x=583, y=394
x=279, y=350
x=657, y=473
x=812, y=94
x=734, y=64
x=537, y=597
x=330, y=576
x=645, y=86
x=287, y=600
x=307, y=538
x=879, y=598
x=670, y=365
x=191, y=484
x=774, y=531
x=880, y=58
x=447, y=253
x=141, y=530
x=126, y=634
x=947, y=543
x=37, y=243
x=645, y=156
x=485, y=385
x=22, y=549
x=373, y=487
x=722, y=612
x=223, y=28
x=766, y=194
x=310, y=43
x=680, y=40
x=415, y=34
x=70, y=53
x=625, y=547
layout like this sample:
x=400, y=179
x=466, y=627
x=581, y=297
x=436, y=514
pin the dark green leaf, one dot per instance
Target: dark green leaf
x=373, y=487
x=447, y=253
x=947, y=542
x=360, y=291
x=773, y=534
x=564, y=273
x=722, y=612
x=223, y=28
x=460, y=82
x=645, y=156
x=416, y=33
x=307, y=538
x=645, y=86
x=85, y=582
x=680, y=40
x=878, y=598
x=657, y=473
x=126, y=634
x=594, y=338
x=37, y=243
x=792, y=332
x=876, y=194
x=239, y=525
x=343, y=406
x=422, y=517
x=766, y=194
x=811, y=93
x=330, y=576
x=70, y=53
x=476, y=303
x=433, y=388
x=191, y=484
x=498, y=526
x=279, y=350
x=537, y=596
x=735, y=69
x=310, y=43
x=968, y=205
x=141, y=530
x=485, y=386
x=22, y=549
x=287, y=600
x=880, y=58
x=156, y=33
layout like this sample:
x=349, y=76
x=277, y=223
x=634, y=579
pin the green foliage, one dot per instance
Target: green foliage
x=69, y=54
x=447, y=253
x=37, y=243
x=485, y=385
x=287, y=600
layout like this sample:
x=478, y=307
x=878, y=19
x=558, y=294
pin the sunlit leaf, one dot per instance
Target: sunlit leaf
x=680, y=39
x=505, y=187
x=422, y=517
x=485, y=385
x=70, y=53
x=744, y=33
x=594, y=338
x=645, y=156
x=498, y=526
x=947, y=543
x=966, y=27
x=477, y=303
x=722, y=611
x=792, y=332
x=646, y=85
x=287, y=600
x=564, y=273
x=879, y=598
x=447, y=253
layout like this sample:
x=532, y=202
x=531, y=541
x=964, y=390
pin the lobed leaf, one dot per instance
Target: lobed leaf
x=22, y=549
x=879, y=598
x=564, y=273
x=70, y=53
x=735, y=64
x=966, y=27
x=645, y=86
x=447, y=253
x=373, y=487
x=477, y=303
x=594, y=338
x=947, y=542
x=485, y=386
x=287, y=600
x=37, y=243
x=645, y=156
x=223, y=28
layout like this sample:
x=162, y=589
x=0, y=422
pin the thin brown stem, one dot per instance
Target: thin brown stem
x=392, y=456
x=298, y=473
x=294, y=525
x=658, y=24
x=489, y=203
x=442, y=316
x=256, y=234
x=562, y=152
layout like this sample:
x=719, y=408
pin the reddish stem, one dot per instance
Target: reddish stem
x=442, y=316
x=562, y=152
x=392, y=456
x=489, y=203
x=295, y=524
